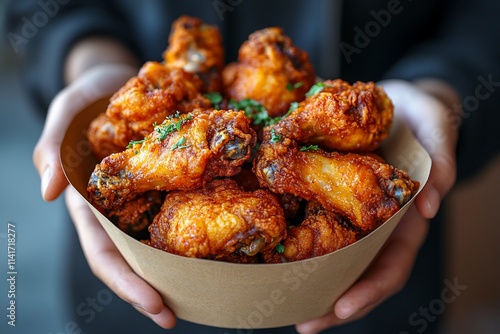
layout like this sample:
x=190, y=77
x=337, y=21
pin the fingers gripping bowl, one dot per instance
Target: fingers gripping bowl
x=246, y=294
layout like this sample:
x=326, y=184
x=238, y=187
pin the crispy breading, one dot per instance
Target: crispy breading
x=321, y=232
x=360, y=187
x=184, y=152
x=196, y=47
x=270, y=70
x=218, y=221
x=155, y=93
x=341, y=117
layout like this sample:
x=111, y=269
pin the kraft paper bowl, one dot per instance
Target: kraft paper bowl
x=245, y=295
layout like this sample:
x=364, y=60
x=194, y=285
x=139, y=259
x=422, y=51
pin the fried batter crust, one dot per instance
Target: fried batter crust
x=155, y=93
x=196, y=47
x=134, y=217
x=270, y=70
x=218, y=221
x=359, y=187
x=184, y=152
x=341, y=117
x=321, y=232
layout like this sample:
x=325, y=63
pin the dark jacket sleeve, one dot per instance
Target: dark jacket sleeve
x=42, y=33
x=466, y=54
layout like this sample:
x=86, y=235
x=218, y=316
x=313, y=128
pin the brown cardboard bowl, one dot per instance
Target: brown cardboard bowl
x=245, y=295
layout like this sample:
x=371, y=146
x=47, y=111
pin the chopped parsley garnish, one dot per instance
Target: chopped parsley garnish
x=274, y=137
x=291, y=86
x=309, y=148
x=215, y=98
x=165, y=130
x=135, y=142
x=280, y=248
x=180, y=144
x=316, y=88
x=255, y=111
x=252, y=109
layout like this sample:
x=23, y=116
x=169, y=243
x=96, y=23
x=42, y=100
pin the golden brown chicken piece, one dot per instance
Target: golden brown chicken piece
x=193, y=64
x=338, y=116
x=270, y=70
x=359, y=187
x=321, y=232
x=184, y=152
x=218, y=221
x=196, y=47
x=102, y=137
x=155, y=93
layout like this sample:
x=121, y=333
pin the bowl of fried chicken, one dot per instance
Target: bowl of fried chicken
x=249, y=194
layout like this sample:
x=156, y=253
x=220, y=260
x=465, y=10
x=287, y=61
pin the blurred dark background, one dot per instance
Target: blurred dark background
x=42, y=229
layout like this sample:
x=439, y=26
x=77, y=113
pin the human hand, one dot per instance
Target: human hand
x=419, y=106
x=103, y=257
x=97, y=83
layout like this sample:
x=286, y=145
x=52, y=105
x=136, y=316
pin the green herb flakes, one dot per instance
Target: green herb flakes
x=180, y=144
x=291, y=86
x=215, y=98
x=135, y=142
x=309, y=148
x=316, y=88
x=274, y=137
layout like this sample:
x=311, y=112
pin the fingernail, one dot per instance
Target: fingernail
x=344, y=311
x=140, y=306
x=433, y=199
x=47, y=174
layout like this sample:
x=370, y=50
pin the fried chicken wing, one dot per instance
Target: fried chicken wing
x=321, y=232
x=184, y=152
x=218, y=221
x=102, y=137
x=270, y=70
x=155, y=93
x=196, y=47
x=359, y=187
x=192, y=65
x=341, y=117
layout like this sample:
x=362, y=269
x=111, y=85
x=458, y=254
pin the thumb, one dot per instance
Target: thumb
x=99, y=82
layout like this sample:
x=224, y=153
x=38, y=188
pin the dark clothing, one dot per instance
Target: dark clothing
x=453, y=40
x=456, y=41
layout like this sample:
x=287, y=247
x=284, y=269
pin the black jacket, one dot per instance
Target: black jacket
x=453, y=40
